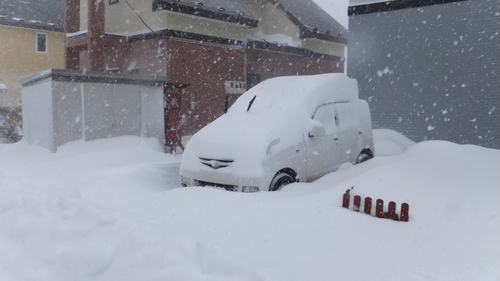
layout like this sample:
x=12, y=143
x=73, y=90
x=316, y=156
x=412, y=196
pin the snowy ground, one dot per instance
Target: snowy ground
x=113, y=210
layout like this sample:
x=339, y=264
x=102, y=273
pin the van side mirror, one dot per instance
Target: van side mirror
x=317, y=131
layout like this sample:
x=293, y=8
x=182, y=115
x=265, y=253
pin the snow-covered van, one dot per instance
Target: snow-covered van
x=284, y=130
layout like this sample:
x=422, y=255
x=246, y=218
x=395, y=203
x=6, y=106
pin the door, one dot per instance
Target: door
x=323, y=153
x=349, y=130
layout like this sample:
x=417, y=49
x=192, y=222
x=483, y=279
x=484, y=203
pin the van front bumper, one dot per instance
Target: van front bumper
x=238, y=188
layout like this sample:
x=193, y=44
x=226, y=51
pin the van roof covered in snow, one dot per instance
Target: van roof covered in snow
x=306, y=92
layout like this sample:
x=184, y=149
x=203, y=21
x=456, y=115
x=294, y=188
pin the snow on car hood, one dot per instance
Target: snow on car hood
x=278, y=118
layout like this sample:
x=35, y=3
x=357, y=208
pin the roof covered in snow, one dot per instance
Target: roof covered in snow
x=313, y=21
x=225, y=10
x=37, y=14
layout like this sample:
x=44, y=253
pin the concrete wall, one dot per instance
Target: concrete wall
x=62, y=106
x=431, y=72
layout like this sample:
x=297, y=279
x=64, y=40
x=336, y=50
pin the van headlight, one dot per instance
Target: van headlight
x=249, y=188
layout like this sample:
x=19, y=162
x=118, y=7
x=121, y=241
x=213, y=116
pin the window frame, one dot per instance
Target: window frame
x=330, y=130
x=46, y=43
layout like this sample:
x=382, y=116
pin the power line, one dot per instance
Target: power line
x=157, y=35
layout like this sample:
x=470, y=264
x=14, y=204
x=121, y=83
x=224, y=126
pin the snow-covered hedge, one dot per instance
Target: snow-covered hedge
x=10, y=124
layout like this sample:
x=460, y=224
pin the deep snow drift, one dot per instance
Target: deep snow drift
x=113, y=210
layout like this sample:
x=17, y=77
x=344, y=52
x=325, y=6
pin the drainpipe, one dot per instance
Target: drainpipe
x=95, y=35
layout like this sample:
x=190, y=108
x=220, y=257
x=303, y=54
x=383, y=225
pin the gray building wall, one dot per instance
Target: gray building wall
x=433, y=72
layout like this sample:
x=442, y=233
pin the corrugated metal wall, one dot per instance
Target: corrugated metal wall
x=431, y=72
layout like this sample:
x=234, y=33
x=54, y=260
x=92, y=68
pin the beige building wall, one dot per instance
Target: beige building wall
x=19, y=58
x=121, y=20
x=84, y=15
x=324, y=47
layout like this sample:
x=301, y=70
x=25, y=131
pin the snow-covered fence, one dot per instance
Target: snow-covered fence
x=60, y=106
x=379, y=207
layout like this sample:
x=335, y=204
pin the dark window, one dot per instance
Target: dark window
x=252, y=80
x=113, y=70
x=41, y=43
x=133, y=70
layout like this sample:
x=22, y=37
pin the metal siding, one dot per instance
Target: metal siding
x=442, y=70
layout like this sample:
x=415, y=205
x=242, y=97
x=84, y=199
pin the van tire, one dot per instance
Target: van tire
x=280, y=179
x=364, y=155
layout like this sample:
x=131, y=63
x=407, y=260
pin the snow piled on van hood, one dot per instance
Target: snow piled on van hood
x=279, y=116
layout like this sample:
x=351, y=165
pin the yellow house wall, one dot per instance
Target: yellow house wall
x=84, y=15
x=19, y=59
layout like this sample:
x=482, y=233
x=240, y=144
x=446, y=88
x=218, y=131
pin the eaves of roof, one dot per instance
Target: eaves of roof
x=312, y=21
x=31, y=24
x=223, y=10
x=393, y=5
x=47, y=15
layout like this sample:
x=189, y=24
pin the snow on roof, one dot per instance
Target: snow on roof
x=37, y=14
x=225, y=10
x=313, y=21
x=274, y=38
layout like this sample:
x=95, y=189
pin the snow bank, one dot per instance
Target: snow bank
x=113, y=210
x=389, y=142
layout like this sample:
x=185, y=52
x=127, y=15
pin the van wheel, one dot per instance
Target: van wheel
x=365, y=155
x=280, y=180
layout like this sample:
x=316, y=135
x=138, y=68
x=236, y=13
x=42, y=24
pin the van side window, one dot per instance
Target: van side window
x=347, y=113
x=325, y=114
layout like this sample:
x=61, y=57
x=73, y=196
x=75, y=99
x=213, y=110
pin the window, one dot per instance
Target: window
x=41, y=43
x=133, y=70
x=252, y=80
x=348, y=114
x=112, y=70
x=325, y=114
x=112, y=2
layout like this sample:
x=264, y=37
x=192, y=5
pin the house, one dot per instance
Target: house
x=31, y=40
x=429, y=68
x=210, y=50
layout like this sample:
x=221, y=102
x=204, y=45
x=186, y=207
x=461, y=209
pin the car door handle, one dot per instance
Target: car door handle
x=336, y=138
